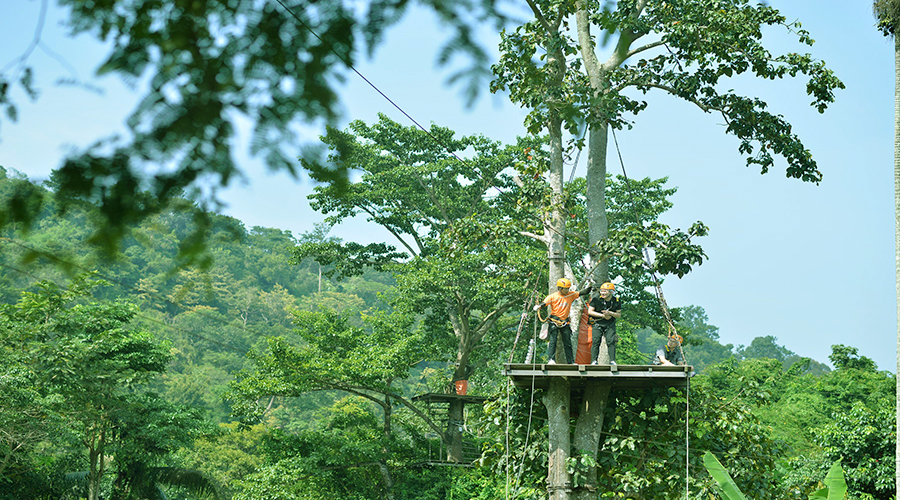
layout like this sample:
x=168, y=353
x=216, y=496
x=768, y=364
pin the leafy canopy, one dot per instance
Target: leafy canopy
x=688, y=49
x=209, y=65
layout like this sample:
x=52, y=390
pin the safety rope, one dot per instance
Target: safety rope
x=529, y=301
x=671, y=331
x=540, y=319
x=527, y=428
x=521, y=466
x=687, y=440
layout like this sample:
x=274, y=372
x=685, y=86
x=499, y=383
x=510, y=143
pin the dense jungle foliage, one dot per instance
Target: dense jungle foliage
x=123, y=378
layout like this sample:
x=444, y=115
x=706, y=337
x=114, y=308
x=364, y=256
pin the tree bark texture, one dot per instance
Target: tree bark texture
x=454, y=430
x=556, y=399
x=557, y=222
x=587, y=437
x=598, y=223
x=598, y=140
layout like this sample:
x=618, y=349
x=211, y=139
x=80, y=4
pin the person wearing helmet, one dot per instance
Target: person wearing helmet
x=603, y=312
x=560, y=303
x=671, y=353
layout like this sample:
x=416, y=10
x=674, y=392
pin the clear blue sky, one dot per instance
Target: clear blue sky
x=811, y=265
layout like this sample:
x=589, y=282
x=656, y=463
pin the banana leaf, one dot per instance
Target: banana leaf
x=835, y=486
x=726, y=485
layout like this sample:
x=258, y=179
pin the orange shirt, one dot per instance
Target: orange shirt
x=561, y=304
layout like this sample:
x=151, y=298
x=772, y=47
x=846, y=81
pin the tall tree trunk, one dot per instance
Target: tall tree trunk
x=587, y=436
x=897, y=237
x=556, y=399
x=557, y=222
x=96, y=444
x=454, y=430
x=387, y=478
x=598, y=223
x=93, y=476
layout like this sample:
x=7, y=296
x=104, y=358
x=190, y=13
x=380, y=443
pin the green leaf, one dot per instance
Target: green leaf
x=835, y=486
x=722, y=478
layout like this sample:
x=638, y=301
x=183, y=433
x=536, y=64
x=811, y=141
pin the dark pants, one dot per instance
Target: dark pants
x=566, y=333
x=598, y=331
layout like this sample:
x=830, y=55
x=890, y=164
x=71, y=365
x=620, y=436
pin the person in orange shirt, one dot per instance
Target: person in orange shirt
x=560, y=303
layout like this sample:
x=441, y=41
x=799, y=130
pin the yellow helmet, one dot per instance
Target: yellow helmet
x=563, y=283
x=607, y=286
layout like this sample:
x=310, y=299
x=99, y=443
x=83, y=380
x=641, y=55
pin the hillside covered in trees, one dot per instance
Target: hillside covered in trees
x=249, y=370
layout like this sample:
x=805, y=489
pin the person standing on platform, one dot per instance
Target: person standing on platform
x=603, y=312
x=560, y=303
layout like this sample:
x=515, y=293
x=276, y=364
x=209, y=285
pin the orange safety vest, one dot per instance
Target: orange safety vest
x=561, y=304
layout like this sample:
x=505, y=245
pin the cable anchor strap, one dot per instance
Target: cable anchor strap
x=529, y=355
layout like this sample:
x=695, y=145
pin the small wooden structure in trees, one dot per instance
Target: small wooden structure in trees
x=463, y=453
x=589, y=387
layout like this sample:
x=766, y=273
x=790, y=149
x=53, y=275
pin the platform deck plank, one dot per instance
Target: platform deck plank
x=538, y=376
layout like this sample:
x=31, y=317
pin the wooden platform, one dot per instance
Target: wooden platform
x=433, y=397
x=625, y=376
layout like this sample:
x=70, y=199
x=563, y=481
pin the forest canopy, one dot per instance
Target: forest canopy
x=203, y=344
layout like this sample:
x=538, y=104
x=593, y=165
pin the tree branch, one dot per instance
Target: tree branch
x=358, y=391
x=671, y=90
x=490, y=320
x=642, y=48
x=538, y=237
x=393, y=232
x=540, y=16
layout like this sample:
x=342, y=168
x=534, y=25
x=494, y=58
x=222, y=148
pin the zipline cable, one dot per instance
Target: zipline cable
x=646, y=254
x=671, y=325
